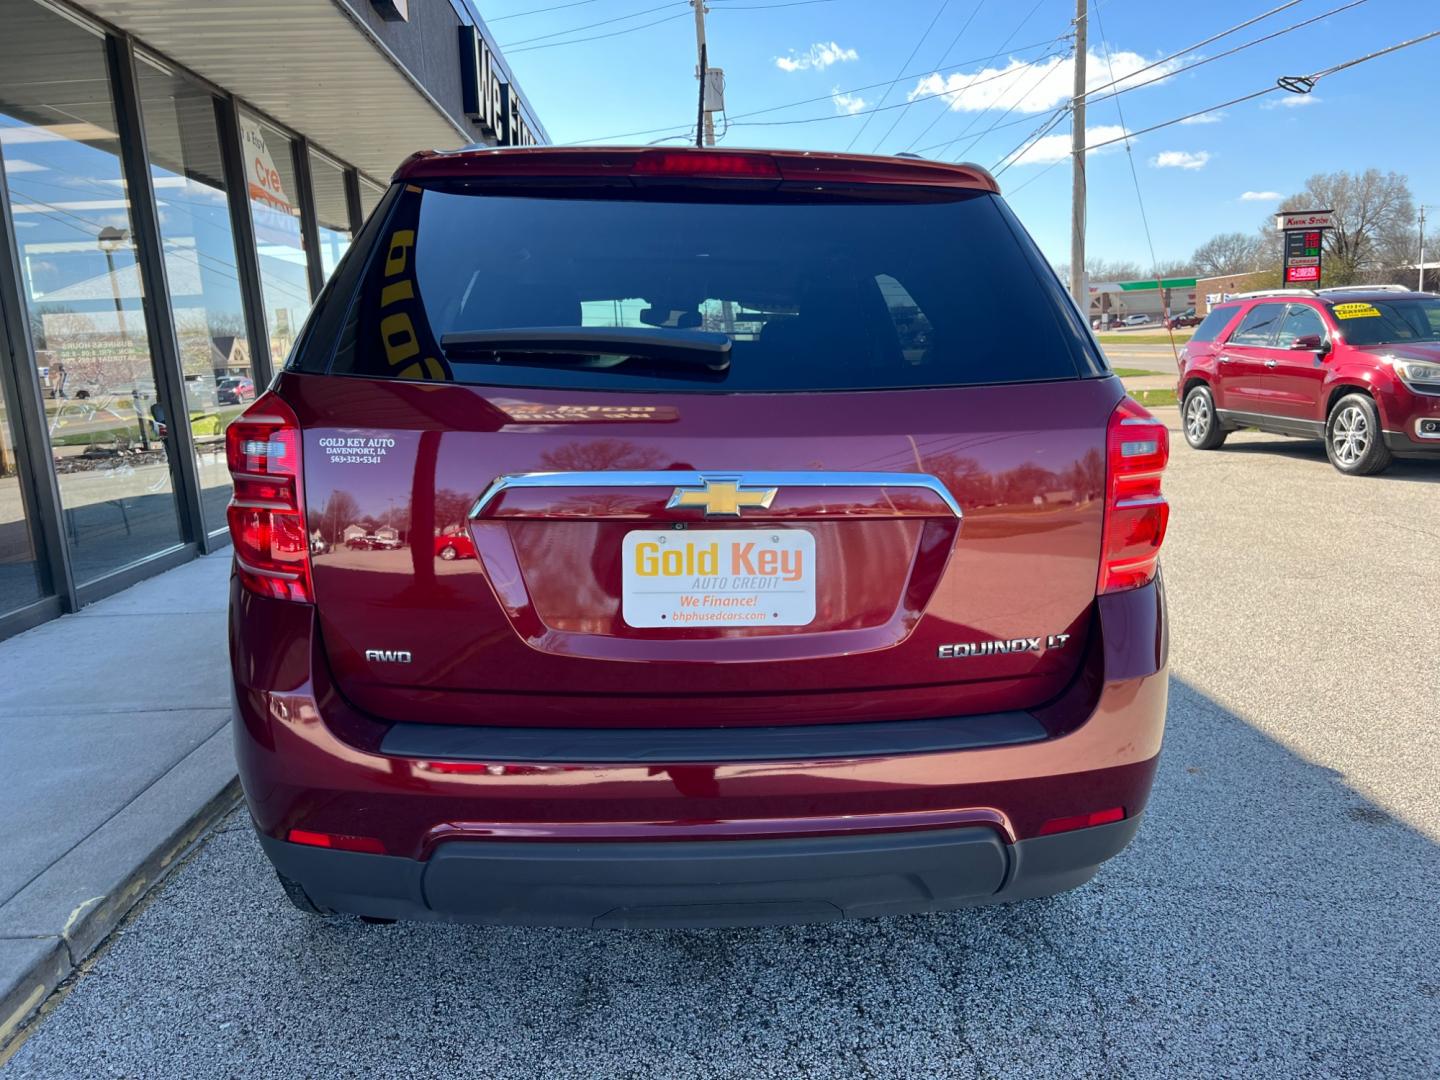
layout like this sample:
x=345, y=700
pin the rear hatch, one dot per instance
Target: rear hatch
x=670, y=448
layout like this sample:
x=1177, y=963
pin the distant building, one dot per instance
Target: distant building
x=1112, y=301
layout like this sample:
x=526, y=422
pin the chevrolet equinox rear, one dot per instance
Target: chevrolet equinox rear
x=677, y=537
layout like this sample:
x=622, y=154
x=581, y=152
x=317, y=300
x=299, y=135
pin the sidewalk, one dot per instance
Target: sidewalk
x=115, y=755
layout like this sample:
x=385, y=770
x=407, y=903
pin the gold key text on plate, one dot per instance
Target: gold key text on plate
x=722, y=498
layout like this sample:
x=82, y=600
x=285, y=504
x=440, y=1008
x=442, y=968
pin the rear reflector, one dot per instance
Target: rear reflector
x=367, y=845
x=691, y=163
x=1136, y=514
x=1082, y=821
x=267, y=511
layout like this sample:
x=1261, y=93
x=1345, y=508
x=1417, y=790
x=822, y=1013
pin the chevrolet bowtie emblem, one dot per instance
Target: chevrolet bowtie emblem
x=722, y=498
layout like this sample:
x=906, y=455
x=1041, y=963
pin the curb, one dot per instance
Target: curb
x=36, y=958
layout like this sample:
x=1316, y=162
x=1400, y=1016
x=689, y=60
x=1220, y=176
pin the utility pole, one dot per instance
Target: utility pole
x=1078, y=286
x=702, y=72
x=1421, y=286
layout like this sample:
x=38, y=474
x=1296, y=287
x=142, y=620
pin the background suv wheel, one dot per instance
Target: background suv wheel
x=1202, y=426
x=1354, y=441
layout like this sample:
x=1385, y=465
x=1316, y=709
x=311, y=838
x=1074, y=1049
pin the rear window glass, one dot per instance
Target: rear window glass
x=837, y=294
x=1213, y=323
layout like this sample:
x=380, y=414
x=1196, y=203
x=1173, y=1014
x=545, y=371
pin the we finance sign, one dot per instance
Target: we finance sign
x=486, y=98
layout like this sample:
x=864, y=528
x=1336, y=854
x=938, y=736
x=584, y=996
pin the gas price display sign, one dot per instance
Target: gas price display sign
x=1304, y=232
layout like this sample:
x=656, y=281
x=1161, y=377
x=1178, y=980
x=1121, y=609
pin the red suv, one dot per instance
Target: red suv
x=1357, y=367
x=815, y=552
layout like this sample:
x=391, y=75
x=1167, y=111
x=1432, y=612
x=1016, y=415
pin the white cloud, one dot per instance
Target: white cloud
x=1042, y=84
x=819, y=56
x=1180, y=159
x=1054, y=148
x=848, y=103
x=1204, y=118
x=1260, y=196
x=1291, y=101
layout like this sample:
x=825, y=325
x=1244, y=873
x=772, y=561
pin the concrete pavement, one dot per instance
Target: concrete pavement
x=114, y=733
x=1276, y=916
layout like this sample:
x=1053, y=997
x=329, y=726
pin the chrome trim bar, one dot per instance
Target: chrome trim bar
x=745, y=480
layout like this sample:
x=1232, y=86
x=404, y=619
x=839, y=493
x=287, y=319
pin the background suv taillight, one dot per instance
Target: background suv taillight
x=267, y=511
x=1137, y=448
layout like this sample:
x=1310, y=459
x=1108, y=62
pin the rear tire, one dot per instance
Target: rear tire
x=1354, y=440
x=448, y=552
x=1202, y=426
x=300, y=898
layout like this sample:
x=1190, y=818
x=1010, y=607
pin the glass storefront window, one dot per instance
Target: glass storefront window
x=269, y=156
x=19, y=571
x=332, y=211
x=83, y=292
x=370, y=195
x=184, y=143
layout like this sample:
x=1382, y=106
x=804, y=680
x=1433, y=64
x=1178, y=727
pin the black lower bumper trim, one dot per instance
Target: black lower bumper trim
x=796, y=742
x=700, y=883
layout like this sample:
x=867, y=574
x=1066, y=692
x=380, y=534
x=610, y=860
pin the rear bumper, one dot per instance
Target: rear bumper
x=689, y=883
x=803, y=822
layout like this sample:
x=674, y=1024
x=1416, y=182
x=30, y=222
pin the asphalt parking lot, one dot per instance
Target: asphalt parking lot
x=1276, y=916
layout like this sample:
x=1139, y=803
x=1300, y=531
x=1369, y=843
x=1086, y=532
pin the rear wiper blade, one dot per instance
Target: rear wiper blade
x=683, y=348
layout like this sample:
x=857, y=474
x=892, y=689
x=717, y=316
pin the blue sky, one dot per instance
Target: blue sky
x=1194, y=177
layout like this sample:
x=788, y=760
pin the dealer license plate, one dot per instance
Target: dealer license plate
x=718, y=577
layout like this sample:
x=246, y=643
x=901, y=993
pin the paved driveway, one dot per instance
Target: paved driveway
x=1276, y=916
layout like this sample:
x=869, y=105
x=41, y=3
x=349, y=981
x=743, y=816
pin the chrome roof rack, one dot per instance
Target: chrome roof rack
x=1364, y=288
x=1272, y=292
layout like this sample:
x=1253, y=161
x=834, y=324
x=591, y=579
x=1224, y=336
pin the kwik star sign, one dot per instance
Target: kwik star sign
x=1304, y=234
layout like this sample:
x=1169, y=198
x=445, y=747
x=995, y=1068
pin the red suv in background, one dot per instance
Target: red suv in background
x=1357, y=367
x=814, y=567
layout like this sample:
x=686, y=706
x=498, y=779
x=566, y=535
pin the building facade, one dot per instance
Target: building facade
x=179, y=181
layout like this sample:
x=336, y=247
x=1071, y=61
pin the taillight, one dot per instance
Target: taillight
x=1137, y=448
x=267, y=510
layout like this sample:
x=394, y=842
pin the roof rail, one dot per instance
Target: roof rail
x=1365, y=288
x=1272, y=292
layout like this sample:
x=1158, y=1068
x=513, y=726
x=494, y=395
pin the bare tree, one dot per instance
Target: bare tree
x=1373, y=227
x=1227, y=253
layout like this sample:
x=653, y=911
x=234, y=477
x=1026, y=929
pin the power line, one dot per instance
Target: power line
x=1218, y=56
x=1044, y=128
x=1199, y=45
x=539, y=11
x=872, y=111
x=1198, y=63
x=764, y=7
x=885, y=96
x=943, y=57
x=945, y=112
x=1310, y=79
x=830, y=96
x=598, y=37
x=592, y=26
x=1135, y=179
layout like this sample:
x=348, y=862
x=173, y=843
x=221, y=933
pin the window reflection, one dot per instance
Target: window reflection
x=332, y=211
x=19, y=572
x=185, y=166
x=83, y=292
x=275, y=209
x=370, y=195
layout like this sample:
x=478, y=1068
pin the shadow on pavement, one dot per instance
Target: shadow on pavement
x=1412, y=470
x=1268, y=921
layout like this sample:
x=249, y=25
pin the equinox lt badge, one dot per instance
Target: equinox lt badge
x=995, y=646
